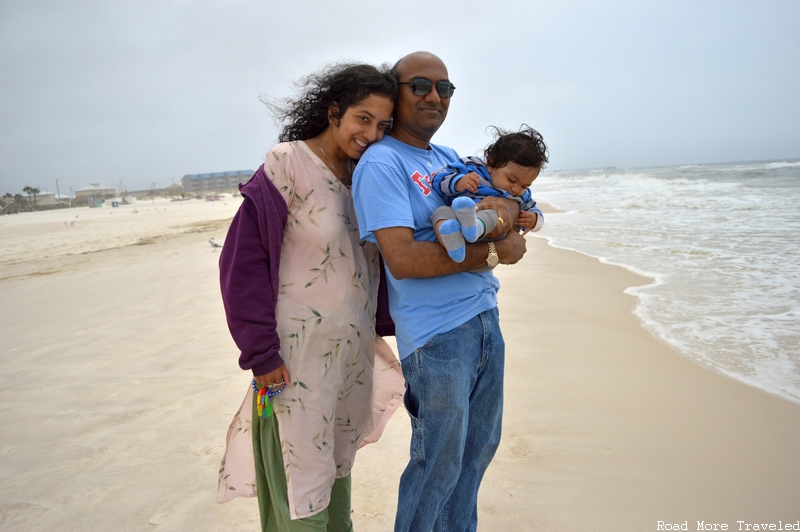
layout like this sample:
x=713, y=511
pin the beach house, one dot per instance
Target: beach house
x=214, y=182
x=94, y=194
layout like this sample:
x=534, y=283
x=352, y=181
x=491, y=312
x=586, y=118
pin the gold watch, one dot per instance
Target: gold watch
x=492, y=259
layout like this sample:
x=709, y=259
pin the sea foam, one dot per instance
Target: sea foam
x=720, y=242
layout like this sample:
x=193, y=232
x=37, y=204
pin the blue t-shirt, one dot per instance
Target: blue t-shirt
x=392, y=188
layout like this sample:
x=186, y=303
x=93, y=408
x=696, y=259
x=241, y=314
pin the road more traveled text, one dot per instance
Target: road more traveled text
x=740, y=525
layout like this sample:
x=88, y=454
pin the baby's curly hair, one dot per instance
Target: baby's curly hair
x=525, y=147
x=343, y=84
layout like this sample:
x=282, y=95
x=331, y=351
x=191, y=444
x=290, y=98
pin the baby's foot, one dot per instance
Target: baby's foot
x=452, y=239
x=465, y=212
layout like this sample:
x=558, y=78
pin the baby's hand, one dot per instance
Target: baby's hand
x=468, y=182
x=527, y=220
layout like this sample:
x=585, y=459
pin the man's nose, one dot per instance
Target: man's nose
x=433, y=96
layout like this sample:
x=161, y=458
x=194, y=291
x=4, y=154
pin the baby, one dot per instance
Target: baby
x=513, y=162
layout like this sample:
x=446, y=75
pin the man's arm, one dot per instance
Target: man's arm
x=407, y=257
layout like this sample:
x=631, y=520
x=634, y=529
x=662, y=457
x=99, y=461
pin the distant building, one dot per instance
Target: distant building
x=94, y=194
x=173, y=190
x=45, y=200
x=215, y=182
x=45, y=197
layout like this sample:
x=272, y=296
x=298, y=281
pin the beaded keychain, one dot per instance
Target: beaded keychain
x=264, y=403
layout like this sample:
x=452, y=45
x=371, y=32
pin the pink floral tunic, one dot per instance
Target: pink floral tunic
x=326, y=314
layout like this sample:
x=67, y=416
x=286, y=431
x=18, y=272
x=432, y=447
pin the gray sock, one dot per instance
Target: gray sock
x=465, y=212
x=453, y=240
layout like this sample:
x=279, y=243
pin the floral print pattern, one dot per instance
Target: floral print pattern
x=326, y=314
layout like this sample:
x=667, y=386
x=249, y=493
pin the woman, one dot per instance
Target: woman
x=300, y=294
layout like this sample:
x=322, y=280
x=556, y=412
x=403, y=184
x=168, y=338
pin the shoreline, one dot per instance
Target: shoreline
x=721, y=302
x=639, y=413
x=654, y=280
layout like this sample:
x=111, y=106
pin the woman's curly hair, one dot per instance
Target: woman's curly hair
x=525, y=147
x=326, y=95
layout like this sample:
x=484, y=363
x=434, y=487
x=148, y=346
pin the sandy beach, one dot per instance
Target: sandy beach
x=118, y=379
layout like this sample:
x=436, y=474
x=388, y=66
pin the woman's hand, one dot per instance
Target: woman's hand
x=274, y=377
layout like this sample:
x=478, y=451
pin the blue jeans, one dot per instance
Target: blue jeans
x=454, y=396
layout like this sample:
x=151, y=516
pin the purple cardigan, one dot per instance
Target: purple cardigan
x=249, y=266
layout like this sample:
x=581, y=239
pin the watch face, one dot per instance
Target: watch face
x=492, y=259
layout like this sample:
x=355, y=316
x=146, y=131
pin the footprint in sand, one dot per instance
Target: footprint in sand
x=161, y=517
x=516, y=448
x=208, y=451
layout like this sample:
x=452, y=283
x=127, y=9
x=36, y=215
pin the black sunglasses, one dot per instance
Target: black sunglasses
x=422, y=86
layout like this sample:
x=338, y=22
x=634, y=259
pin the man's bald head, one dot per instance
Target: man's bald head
x=418, y=118
x=397, y=69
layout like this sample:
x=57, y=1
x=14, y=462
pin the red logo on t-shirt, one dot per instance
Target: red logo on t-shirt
x=423, y=182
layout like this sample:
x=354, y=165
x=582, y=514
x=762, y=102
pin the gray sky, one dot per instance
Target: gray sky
x=146, y=91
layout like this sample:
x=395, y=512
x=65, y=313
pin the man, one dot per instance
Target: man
x=446, y=318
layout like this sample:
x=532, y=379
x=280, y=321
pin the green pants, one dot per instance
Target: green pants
x=273, y=501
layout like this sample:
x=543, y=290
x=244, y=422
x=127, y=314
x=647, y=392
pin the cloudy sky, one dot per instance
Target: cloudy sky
x=143, y=92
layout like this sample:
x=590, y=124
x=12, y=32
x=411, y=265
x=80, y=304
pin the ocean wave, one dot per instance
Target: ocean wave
x=720, y=242
x=783, y=164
